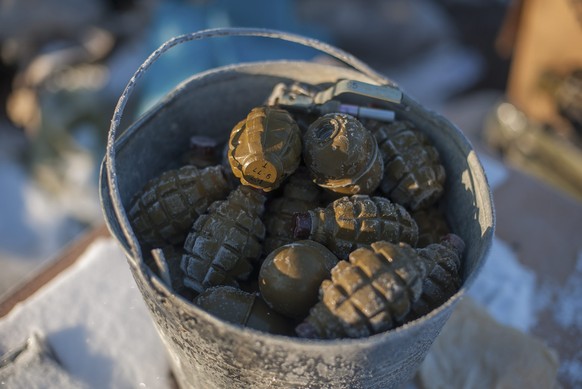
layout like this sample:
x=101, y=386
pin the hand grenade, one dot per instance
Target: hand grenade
x=225, y=242
x=342, y=155
x=443, y=262
x=245, y=309
x=350, y=222
x=164, y=210
x=300, y=194
x=432, y=225
x=413, y=174
x=291, y=275
x=371, y=293
x=265, y=148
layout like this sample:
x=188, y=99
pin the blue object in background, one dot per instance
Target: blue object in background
x=173, y=18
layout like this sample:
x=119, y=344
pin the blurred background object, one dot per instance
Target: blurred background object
x=538, y=126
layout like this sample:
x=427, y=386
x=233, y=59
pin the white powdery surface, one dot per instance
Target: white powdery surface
x=563, y=302
x=506, y=288
x=96, y=322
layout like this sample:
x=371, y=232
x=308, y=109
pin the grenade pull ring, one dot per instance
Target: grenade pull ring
x=333, y=99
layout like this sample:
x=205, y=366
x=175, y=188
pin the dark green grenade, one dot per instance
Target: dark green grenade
x=413, y=174
x=225, y=242
x=163, y=211
x=342, y=155
x=350, y=222
x=290, y=276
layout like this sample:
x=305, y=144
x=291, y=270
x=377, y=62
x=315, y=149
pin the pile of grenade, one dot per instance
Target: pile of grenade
x=310, y=222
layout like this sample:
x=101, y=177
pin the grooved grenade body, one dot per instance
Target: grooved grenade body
x=164, y=210
x=265, y=148
x=371, y=293
x=443, y=279
x=351, y=222
x=225, y=242
x=413, y=175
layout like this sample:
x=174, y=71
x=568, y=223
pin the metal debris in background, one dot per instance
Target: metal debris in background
x=66, y=77
x=535, y=148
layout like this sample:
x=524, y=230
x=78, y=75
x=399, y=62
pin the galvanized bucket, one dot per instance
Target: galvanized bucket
x=209, y=353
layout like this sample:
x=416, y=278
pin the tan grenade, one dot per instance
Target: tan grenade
x=299, y=194
x=342, y=155
x=350, y=222
x=413, y=175
x=371, y=293
x=265, y=148
x=163, y=211
x=225, y=242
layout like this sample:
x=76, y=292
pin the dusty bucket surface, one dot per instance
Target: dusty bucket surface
x=207, y=352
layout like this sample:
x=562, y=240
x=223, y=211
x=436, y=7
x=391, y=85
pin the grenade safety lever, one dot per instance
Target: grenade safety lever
x=300, y=98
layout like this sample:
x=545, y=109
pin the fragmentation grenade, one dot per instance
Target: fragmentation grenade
x=432, y=225
x=342, y=155
x=164, y=210
x=443, y=262
x=371, y=293
x=225, y=242
x=413, y=174
x=351, y=222
x=290, y=276
x=203, y=151
x=245, y=309
x=265, y=148
x=299, y=194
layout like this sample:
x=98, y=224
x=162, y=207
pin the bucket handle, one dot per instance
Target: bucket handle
x=348, y=59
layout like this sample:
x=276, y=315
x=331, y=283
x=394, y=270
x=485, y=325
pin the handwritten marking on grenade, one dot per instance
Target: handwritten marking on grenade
x=413, y=175
x=299, y=194
x=242, y=308
x=163, y=211
x=265, y=148
x=371, y=293
x=225, y=242
x=350, y=222
x=290, y=276
x=342, y=155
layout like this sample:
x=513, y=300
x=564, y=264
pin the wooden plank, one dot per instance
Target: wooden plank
x=46, y=273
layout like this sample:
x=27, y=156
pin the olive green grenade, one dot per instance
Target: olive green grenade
x=371, y=293
x=245, y=309
x=299, y=194
x=290, y=276
x=350, y=222
x=342, y=155
x=413, y=173
x=225, y=242
x=443, y=261
x=265, y=148
x=432, y=225
x=163, y=211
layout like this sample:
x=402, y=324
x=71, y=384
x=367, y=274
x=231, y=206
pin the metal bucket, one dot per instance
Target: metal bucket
x=207, y=352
